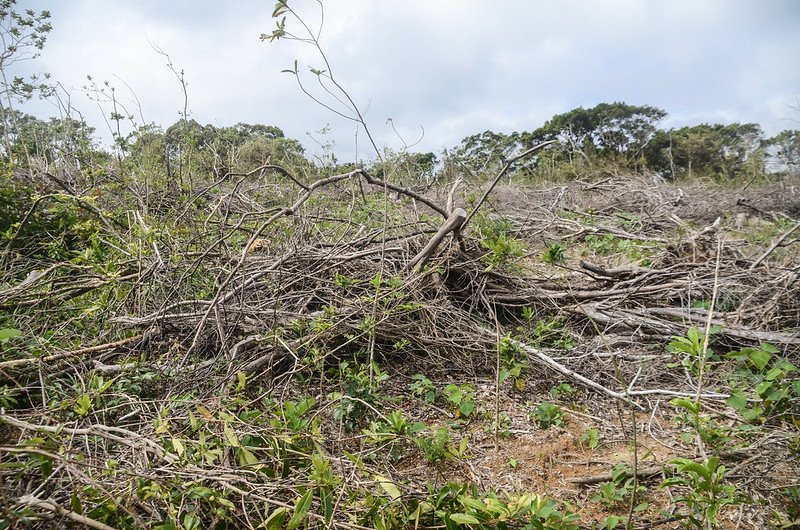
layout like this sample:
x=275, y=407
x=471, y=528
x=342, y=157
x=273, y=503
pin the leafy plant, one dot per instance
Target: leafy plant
x=711, y=433
x=461, y=399
x=554, y=253
x=563, y=391
x=690, y=350
x=459, y=505
x=590, y=437
x=705, y=491
x=547, y=415
x=496, y=237
x=424, y=388
x=769, y=380
x=552, y=332
x=514, y=363
x=439, y=445
x=360, y=383
x=616, y=491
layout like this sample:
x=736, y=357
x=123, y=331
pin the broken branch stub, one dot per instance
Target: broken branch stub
x=452, y=224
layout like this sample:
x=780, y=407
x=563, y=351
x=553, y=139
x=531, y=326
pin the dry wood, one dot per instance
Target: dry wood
x=453, y=223
x=30, y=500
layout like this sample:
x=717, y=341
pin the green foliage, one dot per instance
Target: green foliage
x=552, y=332
x=704, y=491
x=547, y=414
x=713, y=434
x=393, y=427
x=360, y=394
x=502, y=250
x=563, y=391
x=607, y=244
x=52, y=228
x=458, y=505
x=767, y=381
x=609, y=130
x=590, y=437
x=514, y=363
x=461, y=399
x=619, y=489
x=422, y=387
x=690, y=350
x=496, y=237
x=554, y=254
x=439, y=445
x=717, y=151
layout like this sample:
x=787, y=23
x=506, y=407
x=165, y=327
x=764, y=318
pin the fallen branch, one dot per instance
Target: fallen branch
x=30, y=500
x=14, y=363
x=453, y=223
x=510, y=162
x=774, y=245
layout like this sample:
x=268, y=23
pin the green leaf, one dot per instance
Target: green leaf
x=9, y=333
x=178, y=446
x=737, y=400
x=469, y=502
x=762, y=387
x=301, y=509
x=760, y=358
x=464, y=518
x=275, y=519
x=280, y=8
x=231, y=436
x=699, y=469
x=247, y=458
x=389, y=487
x=82, y=405
x=752, y=414
x=75, y=504
x=687, y=404
x=767, y=347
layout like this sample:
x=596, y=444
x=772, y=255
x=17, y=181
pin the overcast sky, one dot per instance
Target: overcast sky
x=452, y=67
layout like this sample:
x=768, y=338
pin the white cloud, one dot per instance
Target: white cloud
x=454, y=67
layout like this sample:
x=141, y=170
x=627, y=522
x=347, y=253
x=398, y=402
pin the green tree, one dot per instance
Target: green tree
x=23, y=35
x=615, y=131
x=717, y=151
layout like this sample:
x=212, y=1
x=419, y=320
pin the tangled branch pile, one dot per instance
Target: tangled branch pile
x=234, y=374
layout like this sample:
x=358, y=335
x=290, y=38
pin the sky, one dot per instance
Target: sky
x=427, y=73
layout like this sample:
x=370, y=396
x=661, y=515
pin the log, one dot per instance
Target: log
x=452, y=224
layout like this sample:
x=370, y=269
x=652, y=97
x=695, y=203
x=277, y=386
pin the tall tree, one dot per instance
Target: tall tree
x=23, y=36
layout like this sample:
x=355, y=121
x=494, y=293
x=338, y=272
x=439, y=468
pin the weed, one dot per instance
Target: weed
x=603, y=245
x=690, y=349
x=461, y=399
x=360, y=384
x=514, y=363
x=496, y=236
x=424, y=388
x=547, y=415
x=552, y=332
x=439, y=445
x=768, y=380
x=563, y=391
x=459, y=505
x=616, y=491
x=711, y=433
x=705, y=490
x=590, y=437
x=554, y=253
